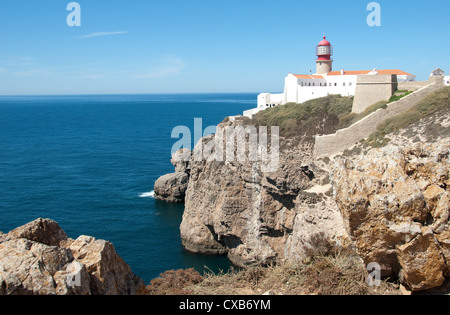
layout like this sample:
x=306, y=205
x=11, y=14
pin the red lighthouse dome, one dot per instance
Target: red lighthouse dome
x=324, y=50
x=324, y=42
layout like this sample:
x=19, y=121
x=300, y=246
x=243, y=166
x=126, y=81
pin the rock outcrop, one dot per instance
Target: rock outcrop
x=391, y=205
x=172, y=187
x=396, y=205
x=39, y=259
x=258, y=217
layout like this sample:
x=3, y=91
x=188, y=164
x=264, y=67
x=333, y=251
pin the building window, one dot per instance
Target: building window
x=344, y=83
x=350, y=84
x=335, y=84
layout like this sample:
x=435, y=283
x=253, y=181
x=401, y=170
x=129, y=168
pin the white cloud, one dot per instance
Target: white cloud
x=98, y=34
x=172, y=66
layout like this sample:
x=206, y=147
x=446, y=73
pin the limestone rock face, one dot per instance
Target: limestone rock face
x=181, y=159
x=258, y=217
x=172, y=187
x=395, y=205
x=41, y=231
x=39, y=259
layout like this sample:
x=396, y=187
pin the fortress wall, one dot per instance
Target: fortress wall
x=346, y=138
x=371, y=89
x=412, y=85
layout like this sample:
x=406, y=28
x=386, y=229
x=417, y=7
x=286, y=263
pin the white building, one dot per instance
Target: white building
x=440, y=72
x=299, y=88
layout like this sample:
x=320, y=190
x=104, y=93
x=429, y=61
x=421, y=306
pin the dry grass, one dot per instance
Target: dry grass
x=174, y=282
x=335, y=273
x=327, y=270
x=433, y=103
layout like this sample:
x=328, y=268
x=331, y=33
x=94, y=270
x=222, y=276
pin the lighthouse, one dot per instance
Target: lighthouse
x=299, y=88
x=324, y=51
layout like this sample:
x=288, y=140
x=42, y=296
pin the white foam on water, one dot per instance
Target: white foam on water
x=150, y=194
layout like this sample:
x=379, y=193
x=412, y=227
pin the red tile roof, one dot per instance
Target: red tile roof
x=357, y=72
x=392, y=71
x=305, y=76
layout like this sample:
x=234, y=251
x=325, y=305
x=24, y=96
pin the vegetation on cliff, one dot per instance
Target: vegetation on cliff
x=436, y=102
x=317, y=116
x=326, y=272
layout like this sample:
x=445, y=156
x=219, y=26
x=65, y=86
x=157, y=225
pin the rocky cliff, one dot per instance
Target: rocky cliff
x=395, y=204
x=391, y=205
x=259, y=217
x=39, y=259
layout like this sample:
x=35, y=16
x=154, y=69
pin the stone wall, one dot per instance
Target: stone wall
x=345, y=138
x=412, y=85
x=371, y=89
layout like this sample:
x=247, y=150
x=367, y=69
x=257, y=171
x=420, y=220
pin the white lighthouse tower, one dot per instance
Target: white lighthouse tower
x=324, y=62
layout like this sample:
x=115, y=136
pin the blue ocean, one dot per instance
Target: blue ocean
x=90, y=163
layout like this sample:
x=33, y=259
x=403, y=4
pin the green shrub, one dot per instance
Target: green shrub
x=437, y=101
x=397, y=97
x=306, y=118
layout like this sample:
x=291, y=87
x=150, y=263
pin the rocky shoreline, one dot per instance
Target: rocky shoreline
x=389, y=205
x=39, y=259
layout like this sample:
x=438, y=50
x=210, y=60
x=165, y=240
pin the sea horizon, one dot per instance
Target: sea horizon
x=130, y=94
x=90, y=163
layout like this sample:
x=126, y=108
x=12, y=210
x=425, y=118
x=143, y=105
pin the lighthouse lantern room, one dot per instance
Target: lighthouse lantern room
x=324, y=62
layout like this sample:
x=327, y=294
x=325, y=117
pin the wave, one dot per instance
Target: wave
x=150, y=194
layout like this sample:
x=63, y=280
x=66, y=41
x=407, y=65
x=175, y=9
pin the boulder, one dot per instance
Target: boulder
x=39, y=259
x=109, y=274
x=172, y=187
x=42, y=231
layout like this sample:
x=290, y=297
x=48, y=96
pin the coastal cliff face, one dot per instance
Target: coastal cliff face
x=395, y=204
x=259, y=217
x=39, y=259
x=391, y=205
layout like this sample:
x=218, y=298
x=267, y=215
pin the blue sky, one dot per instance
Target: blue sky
x=189, y=46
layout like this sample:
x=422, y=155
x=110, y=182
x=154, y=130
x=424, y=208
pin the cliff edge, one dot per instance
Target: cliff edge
x=391, y=204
